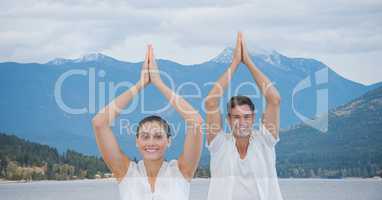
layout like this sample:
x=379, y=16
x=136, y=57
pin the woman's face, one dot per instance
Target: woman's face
x=152, y=140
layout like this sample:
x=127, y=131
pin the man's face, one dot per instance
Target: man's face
x=241, y=119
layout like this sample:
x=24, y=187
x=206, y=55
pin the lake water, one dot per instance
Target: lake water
x=292, y=189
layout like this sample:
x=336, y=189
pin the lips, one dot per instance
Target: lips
x=151, y=149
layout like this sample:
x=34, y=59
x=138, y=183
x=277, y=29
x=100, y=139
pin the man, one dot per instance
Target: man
x=243, y=163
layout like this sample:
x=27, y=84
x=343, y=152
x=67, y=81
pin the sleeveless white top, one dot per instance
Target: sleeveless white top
x=170, y=183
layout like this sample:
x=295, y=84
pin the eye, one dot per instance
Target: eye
x=158, y=136
x=144, y=136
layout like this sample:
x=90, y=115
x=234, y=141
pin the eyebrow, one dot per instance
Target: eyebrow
x=154, y=133
x=243, y=115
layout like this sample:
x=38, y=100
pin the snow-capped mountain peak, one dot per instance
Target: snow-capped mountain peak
x=59, y=61
x=225, y=57
x=91, y=57
x=270, y=56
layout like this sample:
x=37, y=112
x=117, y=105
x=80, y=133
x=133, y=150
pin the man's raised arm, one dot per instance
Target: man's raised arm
x=212, y=103
x=271, y=116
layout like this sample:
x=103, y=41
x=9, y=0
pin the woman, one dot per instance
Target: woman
x=152, y=177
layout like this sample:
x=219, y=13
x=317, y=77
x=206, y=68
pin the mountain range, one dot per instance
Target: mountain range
x=351, y=147
x=36, y=105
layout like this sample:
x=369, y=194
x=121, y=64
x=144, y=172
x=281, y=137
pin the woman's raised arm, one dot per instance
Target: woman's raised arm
x=189, y=159
x=114, y=158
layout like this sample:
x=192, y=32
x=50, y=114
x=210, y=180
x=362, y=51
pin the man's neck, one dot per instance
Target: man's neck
x=242, y=144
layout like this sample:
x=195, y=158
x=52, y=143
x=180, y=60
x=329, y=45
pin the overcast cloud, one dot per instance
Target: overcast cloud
x=346, y=35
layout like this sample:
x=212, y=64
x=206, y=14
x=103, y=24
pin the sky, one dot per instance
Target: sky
x=346, y=35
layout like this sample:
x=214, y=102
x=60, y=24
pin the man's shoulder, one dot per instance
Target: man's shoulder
x=227, y=136
x=220, y=142
x=264, y=136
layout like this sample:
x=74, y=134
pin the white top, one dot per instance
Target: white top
x=251, y=178
x=170, y=183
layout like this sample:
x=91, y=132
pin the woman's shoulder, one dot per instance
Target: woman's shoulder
x=172, y=162
x=132, y=170
x=172, y=165
x=173, y=170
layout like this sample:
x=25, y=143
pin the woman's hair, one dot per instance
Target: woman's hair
x=154, y=118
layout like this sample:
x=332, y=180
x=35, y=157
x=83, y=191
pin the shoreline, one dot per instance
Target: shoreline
x=4, y=181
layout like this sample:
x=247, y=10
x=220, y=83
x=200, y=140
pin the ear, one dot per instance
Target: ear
x=169, y=142
x=228, y=120
x=136, y=141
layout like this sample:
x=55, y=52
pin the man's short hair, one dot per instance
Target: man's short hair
x=238, y=101
x=154, y=118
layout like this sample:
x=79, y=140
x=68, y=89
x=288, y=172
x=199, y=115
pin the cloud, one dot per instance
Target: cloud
x=193, y=31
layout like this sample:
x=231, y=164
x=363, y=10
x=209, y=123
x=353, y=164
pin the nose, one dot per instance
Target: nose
x=242, y=120
x=150, y=141
x=150, y=144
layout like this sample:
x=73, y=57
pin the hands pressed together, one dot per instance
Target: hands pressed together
x=240, y=54
x=150, y=72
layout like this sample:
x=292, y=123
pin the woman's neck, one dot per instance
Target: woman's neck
x=152, y=167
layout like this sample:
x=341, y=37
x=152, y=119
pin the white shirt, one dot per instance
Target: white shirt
x=170, y=183
x=253, y=178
